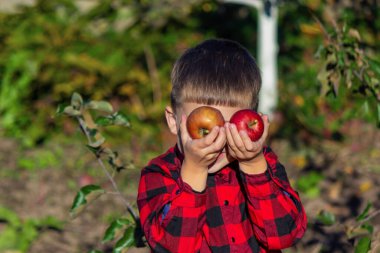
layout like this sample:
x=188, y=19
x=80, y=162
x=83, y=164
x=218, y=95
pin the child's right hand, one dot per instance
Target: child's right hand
x=200, y=154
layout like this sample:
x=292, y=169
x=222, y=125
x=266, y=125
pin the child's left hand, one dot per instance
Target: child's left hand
x=241, y=147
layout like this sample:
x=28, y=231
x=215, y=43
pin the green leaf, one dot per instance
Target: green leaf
x=126, y=241
x=103, y=106
x=364, y=214
x=117, y=118
x=353, y=232
x=10, y=216
x=50, y=221
x=60, y=109
x=309, y=183
x=76, y=101
x=121, y=119
x=374, y=65
x=326, y=218
x=114, y=228
x=104, y=121
x=364, y=245
x=92, y=131
x=95, y=251
x=94, y=150
x=97, y=143
x=70, y=111
x=85, y=196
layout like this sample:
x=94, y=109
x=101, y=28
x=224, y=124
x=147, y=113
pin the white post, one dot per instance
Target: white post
x=267, y=51
x=267, y=57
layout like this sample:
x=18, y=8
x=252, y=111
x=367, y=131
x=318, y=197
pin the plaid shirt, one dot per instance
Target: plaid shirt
x=237, y=212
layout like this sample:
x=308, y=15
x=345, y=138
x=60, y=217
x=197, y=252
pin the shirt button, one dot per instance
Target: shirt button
x=233, y=239
x=226, y=202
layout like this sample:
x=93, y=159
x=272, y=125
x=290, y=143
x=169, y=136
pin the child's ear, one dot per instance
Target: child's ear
x=171, y=120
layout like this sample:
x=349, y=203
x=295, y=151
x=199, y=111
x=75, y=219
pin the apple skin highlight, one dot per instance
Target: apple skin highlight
x=249, y=121
x=202, y=120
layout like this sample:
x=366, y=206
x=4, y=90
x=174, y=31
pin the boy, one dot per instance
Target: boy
x=223, y=192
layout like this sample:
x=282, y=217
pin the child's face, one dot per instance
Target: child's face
x=227, y=112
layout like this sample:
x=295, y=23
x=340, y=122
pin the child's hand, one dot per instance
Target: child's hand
x=248, y=153
x=200, y=154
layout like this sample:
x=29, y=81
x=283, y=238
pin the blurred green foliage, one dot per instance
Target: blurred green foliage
x=17, y=234
x=122, y=51
x=329, y=74
x=112, y=50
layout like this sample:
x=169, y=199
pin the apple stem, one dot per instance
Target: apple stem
x=203, y=131
x=252, y=123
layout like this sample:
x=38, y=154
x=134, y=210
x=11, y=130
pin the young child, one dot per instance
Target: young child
x=223, y=192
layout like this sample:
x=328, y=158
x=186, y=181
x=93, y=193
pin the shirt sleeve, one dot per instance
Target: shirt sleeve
x=171, y=214
x=277, y=215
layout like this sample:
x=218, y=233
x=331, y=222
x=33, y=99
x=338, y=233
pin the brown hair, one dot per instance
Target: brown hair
x=216, y=72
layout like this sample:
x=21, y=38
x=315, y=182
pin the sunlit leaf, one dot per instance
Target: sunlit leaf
x=86, y=195
x=104, y=121
x=70, y=111
x=103, y=106
x=115, y=227
x=113, y=159
x=309, y=184
x=60, y=109
x=76, y=101
x=126, y=241
x=97, y=143
x=353, y=232
x=121, y=119
x=365, y=212
x=364, y=245
x=51, y=222
x=326, y=218
x=9, y=216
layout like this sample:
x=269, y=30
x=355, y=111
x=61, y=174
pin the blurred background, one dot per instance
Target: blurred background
x=324, y=74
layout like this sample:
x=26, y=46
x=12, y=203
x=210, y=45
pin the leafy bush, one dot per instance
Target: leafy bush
x=332, y=75
x=113, y=50
x=125, y=230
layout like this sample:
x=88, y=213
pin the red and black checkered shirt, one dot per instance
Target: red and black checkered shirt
x=237, y=212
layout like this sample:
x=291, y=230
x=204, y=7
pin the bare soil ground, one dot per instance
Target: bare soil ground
x=351, y=169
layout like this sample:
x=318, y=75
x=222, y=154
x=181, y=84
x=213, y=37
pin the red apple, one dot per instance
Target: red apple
x=202, y=120
x=249, y=121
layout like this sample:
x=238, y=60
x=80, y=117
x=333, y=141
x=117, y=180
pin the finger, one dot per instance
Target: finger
x=210, y=138
x=231, y=153
x=237, y=138
x=233, y=149
x=219, y=142
x=230, y=140
x=249, y=145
